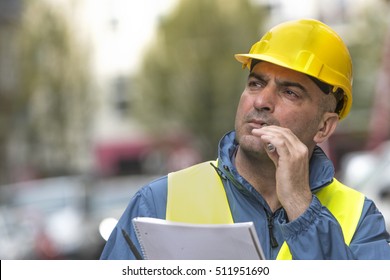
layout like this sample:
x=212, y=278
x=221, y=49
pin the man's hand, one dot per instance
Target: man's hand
x=291, y=159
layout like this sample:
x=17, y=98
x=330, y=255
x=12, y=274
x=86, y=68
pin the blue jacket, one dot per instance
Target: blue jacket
x=314, y=235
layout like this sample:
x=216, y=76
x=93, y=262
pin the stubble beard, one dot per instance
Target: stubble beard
x=251, y=146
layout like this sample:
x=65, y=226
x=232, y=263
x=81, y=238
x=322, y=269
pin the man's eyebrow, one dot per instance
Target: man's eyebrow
x=256, y=75
x=278, y=82
x=290, y=84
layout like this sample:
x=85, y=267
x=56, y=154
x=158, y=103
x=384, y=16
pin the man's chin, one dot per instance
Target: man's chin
x=251, y=143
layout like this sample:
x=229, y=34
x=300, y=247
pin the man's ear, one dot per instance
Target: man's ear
x=326, y=127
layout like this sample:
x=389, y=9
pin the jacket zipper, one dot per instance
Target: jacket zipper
x=270, y=222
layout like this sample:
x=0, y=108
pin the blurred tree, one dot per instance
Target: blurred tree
x=365, y=36
x=44, y=116
x=379, y=126
x=9, y=24
x=189, y=79
x=367, y=31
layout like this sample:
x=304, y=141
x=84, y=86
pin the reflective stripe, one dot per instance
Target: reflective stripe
x=197, y=195
x=344, y=203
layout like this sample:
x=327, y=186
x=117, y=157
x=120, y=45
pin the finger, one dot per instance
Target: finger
x=267, y=145
x=279, y=137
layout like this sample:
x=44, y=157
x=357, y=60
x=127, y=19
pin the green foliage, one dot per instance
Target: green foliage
x=55, y=78
x=47, y=109
x=189, y=78
x=366, y=37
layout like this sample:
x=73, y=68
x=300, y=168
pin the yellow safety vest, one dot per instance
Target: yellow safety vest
x=197, y=195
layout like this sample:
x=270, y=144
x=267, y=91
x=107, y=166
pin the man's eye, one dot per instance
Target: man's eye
x=254, y=84
x=291, y=93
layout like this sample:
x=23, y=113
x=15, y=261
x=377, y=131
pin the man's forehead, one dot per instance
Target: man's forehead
x=269, y=70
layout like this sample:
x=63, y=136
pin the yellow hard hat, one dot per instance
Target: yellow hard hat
x=311, y=47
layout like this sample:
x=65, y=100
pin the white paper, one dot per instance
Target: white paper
x=166, y=240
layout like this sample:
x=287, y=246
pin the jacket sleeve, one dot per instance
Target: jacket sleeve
x=318, y=235
x=143, y=204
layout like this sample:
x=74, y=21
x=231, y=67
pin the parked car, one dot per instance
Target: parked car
x=63, y=217
x=50, y=212
x=107, y=200
x=15, y=237
x=369, y=172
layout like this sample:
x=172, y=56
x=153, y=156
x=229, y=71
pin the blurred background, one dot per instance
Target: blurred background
x=98, y=97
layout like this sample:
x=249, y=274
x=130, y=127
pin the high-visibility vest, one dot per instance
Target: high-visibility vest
x=197, y=195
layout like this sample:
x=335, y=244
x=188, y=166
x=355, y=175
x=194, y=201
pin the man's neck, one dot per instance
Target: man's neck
x=260, y=173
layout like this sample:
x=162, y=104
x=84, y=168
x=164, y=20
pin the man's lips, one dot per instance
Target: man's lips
x=257, y=123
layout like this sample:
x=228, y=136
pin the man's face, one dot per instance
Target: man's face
x=278, y=96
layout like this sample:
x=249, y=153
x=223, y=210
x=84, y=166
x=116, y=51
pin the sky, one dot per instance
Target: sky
x=120, y=29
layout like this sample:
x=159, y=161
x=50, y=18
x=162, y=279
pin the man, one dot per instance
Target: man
x=270, y=169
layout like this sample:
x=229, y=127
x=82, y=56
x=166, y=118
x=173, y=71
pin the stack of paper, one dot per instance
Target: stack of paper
x=165, y=240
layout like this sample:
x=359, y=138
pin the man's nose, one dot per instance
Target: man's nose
x=265, y=99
